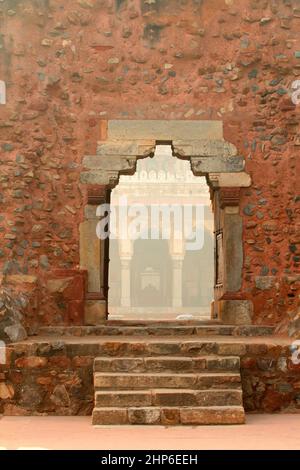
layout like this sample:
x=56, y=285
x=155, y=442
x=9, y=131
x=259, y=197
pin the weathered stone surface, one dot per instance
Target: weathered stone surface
x=123, y=148
x=264, y=282
x=210, y=164
x=162, y=130
x=99, y=177
x=60, y=396
x=144, y=416
x=228, y=180
x=94, y=312
x=104, y=416
x=110, y=163
x=11, y=308
x=90, y=250
x=233, y=254
x=221, y=415
x=6, y=391
x=237, y=312
x=121, y=398
x=15, y=332
x=217, y=148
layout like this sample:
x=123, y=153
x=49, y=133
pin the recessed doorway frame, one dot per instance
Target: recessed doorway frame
x=122, y=143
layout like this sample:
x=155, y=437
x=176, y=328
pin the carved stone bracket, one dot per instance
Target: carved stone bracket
x=114, y=158
x=229, y=197
x=97, y=194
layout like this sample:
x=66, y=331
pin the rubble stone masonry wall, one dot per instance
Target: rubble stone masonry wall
x=68, y=65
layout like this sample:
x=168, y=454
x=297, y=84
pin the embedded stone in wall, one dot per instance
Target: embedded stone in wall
x=11, y=305
x=264, y=282
x=67, y=288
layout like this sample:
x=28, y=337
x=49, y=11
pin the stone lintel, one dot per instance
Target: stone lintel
x=129, y=147
x=204, y=148
x=240, y=179
x=202, y=165
x=166, y=130
x=99, y=177
x=109, y=162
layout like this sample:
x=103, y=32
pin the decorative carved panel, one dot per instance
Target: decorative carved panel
x=229, y=197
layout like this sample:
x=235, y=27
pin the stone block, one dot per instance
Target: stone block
x=90, y=251
x=231, y=349
x=218, y=148
x=110, y=163
x=164, y=130
x=31, y=362
x=126, y=147
x=212, y=415
x=170, y=416
x=264, y=282
x=107, y=416
x=99, y=177
x=208, y=164
x=15, y=332
x=122, y=398
x=223, y=363
x=230, y=180
x=174, y=398
x=144, y=415
x=236, y=312
x=94, y=312
x=233, y=252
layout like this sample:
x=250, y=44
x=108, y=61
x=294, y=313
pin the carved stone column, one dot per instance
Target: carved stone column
x=229, y=302
x=94, y=256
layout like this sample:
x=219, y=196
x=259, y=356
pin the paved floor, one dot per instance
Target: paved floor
x=76, y=432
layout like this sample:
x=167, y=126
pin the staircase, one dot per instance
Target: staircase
x=158, y=380
x=164, y=372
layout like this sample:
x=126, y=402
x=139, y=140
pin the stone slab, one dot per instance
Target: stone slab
x=90, y=252
x=131, y=147
x=164, y=130
x=109, y=162
x=233, y=248
x=219, y=164
x=99, y=177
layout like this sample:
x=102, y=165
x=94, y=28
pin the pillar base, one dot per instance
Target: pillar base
x=234, y=312
x=95, y=312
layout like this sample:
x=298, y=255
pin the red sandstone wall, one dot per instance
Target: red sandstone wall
x=68, y=64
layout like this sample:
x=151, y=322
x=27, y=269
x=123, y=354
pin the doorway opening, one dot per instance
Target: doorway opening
x=161, y=247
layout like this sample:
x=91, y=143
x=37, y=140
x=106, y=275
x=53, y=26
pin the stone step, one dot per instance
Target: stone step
x=167, y=364
x=158, y=329
x=131, y=381
x=168, y=397
x=169, y=415
x=169, y=347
